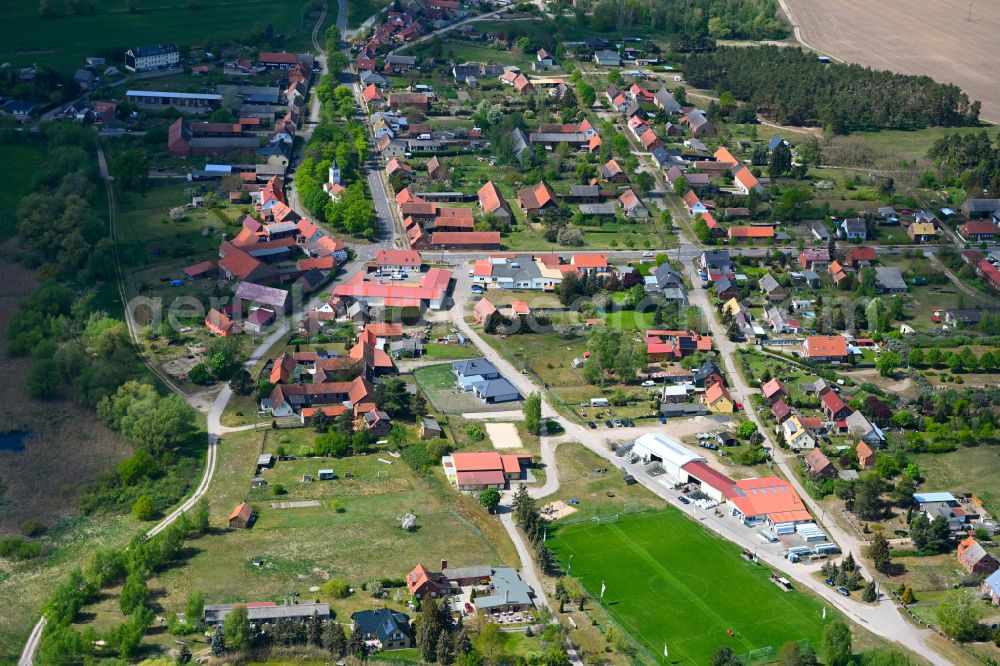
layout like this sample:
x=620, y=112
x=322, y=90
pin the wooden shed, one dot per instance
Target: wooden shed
x=241, y=516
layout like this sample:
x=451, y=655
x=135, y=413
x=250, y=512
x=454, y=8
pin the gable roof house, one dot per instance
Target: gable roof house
x=866, y=456
x=607, y=58
x=819, y=465
x=383, y=628
x=825, y=348
x=853, y=228
x=974, y=558
x=612, y=172
x=665, y=101
x=533, y=199
x=889, y=280
x=771, y=288
x=817, y=259
x=699, y=124
x=833, y=406
x=632, y=206
x=859, y=427
x=978, y=231
x=797, y=436
x=744, y=181
x=773, y=391
x=991, y=588
x=492, y=202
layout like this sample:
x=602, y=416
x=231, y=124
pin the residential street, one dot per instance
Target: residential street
x=882, y=619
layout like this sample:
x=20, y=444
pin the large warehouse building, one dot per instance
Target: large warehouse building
x=767, y=500
x=654, y=447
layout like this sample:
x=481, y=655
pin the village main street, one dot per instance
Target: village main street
x=882, y=618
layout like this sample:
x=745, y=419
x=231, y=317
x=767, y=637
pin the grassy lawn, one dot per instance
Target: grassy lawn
x=669, y=580
x=438, y=384
x=446, y=352
x=973, y=470
x=358, y=11
x=63, y=41
x=24, y=160
x=599, y=494
x=301, y=547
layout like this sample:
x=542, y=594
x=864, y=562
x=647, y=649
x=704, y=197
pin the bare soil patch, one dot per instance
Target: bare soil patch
x=504, y=435
x=911, y=37
x=69, y=446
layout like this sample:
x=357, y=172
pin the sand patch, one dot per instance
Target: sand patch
x=504, y=435
x=556, y=510
x=294, y=505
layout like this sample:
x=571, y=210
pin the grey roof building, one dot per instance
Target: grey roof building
x=391, y=629
x=257, y=293
x=509, y=591
x=496, y=390
x=215, y=614
x=475, y=367
x=598, y=210
x=889, y=280
x=663, y=99
x=682, y=409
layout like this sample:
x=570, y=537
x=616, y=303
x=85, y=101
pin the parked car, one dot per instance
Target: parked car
x=609, y=423
x=843, y=591
x=829, y=581
x=649, y=382
x=683, y=500
x=617, y=423
x=591, y=425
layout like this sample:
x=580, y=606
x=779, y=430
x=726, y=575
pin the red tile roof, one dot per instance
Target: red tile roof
x=751, y=232
x=476, y=238
x=590, y=260
x=490, y=198
x=747, y=179
x=825, y=345
x=409, y=258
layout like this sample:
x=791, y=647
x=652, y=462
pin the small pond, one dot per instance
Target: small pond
x=13, y=440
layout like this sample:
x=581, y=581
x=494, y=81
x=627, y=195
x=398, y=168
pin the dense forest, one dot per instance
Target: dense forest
x=718, y=19
x=974, y=158
x=794, y=88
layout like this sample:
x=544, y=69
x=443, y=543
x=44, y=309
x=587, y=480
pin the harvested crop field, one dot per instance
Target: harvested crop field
x=910, y=37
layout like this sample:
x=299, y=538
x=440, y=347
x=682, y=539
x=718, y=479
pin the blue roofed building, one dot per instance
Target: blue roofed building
x=991, y=588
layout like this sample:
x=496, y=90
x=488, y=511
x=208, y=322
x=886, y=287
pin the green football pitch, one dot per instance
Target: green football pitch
x=669, y=580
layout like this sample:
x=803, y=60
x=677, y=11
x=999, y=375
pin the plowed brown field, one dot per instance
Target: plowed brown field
x=932, y=37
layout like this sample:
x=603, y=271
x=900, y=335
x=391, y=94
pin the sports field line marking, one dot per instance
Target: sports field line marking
x=657, y=566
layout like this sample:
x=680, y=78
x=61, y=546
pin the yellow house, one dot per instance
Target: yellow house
x=797, y=435
x=732, y=306
x=718, y=400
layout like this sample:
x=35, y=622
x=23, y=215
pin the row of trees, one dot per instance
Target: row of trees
x=132, y=566
x=717, y=19
x=794, y=88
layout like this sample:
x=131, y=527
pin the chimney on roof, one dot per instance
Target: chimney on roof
x=444, y=564
x=506, y=595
